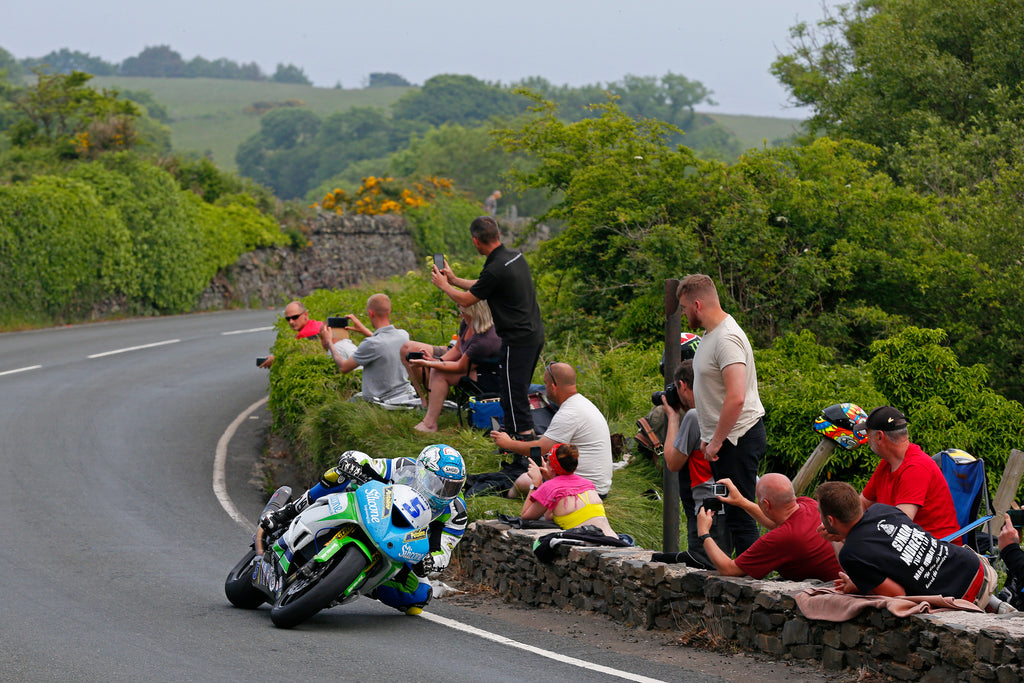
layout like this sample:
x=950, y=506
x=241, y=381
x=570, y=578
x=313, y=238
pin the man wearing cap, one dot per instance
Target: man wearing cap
x=906, y=477
x=885, y=553
x=726, y=397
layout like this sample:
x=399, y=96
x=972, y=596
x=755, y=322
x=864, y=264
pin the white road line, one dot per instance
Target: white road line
x=26, y=369
x=220, y=488
x=134, y=348
x=254, y=329
x=536, y=650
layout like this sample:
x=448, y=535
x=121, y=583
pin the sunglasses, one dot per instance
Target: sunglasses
x=290, y=318
x=547, y=369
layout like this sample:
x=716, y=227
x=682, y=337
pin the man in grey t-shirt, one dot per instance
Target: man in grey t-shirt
x=384, y=376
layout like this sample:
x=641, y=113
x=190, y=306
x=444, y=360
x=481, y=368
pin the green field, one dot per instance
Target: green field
x=208, y=115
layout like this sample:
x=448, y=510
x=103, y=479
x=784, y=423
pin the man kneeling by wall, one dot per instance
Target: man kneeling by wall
x=793, y=547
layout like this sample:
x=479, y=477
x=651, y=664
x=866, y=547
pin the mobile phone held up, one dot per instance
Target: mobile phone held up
x=439, y=261
x=1016, y=518
x=415, y=355
x=495, y=424
x=535, y=455
x=260, y=360
x=337, y=321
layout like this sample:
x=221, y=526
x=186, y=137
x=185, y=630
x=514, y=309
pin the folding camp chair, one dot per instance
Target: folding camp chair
x=968, y=485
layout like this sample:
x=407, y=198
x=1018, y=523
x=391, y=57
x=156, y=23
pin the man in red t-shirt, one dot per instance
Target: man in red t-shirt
x=298, y=319
x=906, y=477
x=792, y=547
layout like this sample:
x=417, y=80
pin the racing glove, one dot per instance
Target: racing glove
x=276, y=519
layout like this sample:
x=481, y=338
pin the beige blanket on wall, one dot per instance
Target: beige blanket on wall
x=827, y=604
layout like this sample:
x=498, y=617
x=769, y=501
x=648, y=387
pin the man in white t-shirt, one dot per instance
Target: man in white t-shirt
x=384, y=378
x=577, y=421
x=725, y=395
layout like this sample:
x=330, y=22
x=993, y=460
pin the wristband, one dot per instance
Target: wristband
x=703, y=537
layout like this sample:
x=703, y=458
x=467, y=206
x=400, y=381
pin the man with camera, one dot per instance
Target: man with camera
x=792, y=547
x=384, y=379
x=725, y=395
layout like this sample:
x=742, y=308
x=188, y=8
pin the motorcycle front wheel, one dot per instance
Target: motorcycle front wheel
x=306, y=596
x=238, y=586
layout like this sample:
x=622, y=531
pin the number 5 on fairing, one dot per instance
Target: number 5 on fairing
x=414, y=507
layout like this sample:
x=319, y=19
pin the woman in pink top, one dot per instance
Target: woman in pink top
x=558, y=494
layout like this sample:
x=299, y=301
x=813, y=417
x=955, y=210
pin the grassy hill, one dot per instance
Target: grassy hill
x=209, y=114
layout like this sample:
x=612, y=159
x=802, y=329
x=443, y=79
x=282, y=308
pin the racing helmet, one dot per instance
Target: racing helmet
x=844, y=424
x=440, y=475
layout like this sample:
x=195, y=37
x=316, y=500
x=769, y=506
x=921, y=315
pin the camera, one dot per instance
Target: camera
x=1016, y=518
x=671, y=394
x=712, y=504
x=719, y=490
x=337, y=321
x=415, y=355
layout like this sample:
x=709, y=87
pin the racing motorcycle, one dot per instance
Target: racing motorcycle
x=340, y=547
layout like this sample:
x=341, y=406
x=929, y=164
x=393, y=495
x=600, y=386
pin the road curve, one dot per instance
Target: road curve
x=115, y=546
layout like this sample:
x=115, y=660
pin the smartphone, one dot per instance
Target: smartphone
x=719, y=490
x=495, y=424
x=535, y=455
x=439, y=261
x=261, y=360
x=712, y=504
x=337, y=321
x=415, y=355
x=1016, y=518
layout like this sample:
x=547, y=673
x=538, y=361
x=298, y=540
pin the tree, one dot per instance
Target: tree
x=159, y=61
x=64, y=61
x=289, y=73
x=456, y=99
x=386, y=80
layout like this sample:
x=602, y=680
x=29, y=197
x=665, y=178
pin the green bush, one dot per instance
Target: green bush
x=61, y=248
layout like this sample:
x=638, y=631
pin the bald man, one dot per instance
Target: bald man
x=578, y=421
x=298, y=319
x=792, y=547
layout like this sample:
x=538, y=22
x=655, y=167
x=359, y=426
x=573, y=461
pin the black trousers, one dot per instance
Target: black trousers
x=515, y=375
x=740, y=464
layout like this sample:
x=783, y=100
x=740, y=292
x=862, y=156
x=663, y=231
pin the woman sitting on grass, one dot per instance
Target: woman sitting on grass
x=565, y=497
x=477, y=342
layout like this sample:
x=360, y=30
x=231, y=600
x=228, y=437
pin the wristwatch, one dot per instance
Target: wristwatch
x=703, y=537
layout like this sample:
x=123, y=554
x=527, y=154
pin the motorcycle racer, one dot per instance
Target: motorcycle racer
x=438, y=473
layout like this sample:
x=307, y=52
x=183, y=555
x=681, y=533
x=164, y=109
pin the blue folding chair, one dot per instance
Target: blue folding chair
x=968, y=485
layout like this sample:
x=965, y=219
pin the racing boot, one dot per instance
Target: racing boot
x=406, y=592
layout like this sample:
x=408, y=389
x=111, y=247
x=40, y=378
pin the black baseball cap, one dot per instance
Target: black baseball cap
x=886, y=419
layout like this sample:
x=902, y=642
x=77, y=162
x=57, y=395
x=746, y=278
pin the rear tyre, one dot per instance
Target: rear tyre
x=306, y=596
x=238, y=586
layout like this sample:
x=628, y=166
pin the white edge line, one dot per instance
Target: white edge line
x=472, y=630
x=26, y=369
x=254, y=329
x=220, y=488
x=134, y=348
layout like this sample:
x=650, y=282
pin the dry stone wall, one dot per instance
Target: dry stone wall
x=753, y=615
x=343, y=250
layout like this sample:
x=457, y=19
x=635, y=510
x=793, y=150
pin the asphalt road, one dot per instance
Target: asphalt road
x=115, y=546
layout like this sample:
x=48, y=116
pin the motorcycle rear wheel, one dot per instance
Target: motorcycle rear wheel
x=306, y=596
x=238, y=586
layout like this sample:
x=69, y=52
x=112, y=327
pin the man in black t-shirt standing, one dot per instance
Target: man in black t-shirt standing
x=507, y=287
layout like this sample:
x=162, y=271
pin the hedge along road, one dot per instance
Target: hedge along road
x=115, y=546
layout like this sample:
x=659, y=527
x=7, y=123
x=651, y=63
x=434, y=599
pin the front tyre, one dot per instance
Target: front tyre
x=238, y=586
x=306, y=596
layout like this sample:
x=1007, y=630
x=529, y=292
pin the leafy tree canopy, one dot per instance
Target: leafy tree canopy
x=452, y=98
x=289, y=73
x=378, y=79
x=159, y=61
x=64, y=61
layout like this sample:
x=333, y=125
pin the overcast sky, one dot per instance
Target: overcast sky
x=727, y=45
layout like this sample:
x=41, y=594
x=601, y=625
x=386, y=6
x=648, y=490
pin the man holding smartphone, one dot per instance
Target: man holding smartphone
x=793, y=547
x=506, y=285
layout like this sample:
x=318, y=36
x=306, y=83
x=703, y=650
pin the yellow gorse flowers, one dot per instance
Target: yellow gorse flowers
x=379, y=195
